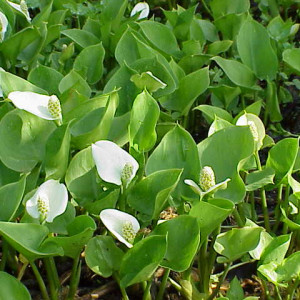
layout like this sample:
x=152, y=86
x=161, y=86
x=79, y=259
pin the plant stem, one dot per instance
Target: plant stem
x=277, y=208
x=278, y=292
x=207, y=8
x=237, y=218
x=75, y=275
x=162, y=287
x=223, y=277
x=52, y=277
x=123, y=290
x=40, y=281
x=292, y=288
x=286, y=207
x=252, y=201
x=264, y=203
x=147, y=295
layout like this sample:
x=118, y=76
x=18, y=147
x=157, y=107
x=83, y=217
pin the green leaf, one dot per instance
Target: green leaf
x=147, y=81
x=259, y=179
x=211, y=214
x=177, y=150
x=16, y=234
x=95, y=125
x=80, y=230
x=213, y=111
x=254, y=36
x=223, y=152
x=272, y=102
x=219, y=47
x=235, y=291
x=282, y=157
x=74, y=81
x=236, y=242
x=160, y=36
x=81, y=37
x=144, y=115
x=46, y=78
x=10, y=199
x=103, y=256
x=89, y=63
x=57, y=153
x=25, y=136
x=225, y=7
x=140, y=262
x=292, y=58
x=179, y=243
x=226, y=94
x=12, y=288
x=150, y=195
x=10, y=83
x=190, y=87
x=237, y=72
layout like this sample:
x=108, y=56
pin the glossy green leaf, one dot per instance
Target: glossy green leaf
x=144, y=116
x=140, y=262
x=235, y=291
x=211, y=112
x=103, y=256
x=25, y=136
x=255, y=50
x=89, y=63
x=12, y=288
x=46, y=78
x=16, y=234
x=150, y=195
x=292, y=58
x=179, y=243
x=259, y=179
x=219, y=47
x=272, y=102
x=237, y=72
x=223, y=152
x=177, y=150
x=57, y=153
x=225, y=7
x=81, y=37
x=235, y=243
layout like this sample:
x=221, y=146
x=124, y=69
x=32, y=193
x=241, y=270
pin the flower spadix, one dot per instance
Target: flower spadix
x=43, y=106
x=3, y=25
x=49, y=201
x=114, y=164
x=207, y=183
x=122, y=225
x=22, y=8
x=142, y=8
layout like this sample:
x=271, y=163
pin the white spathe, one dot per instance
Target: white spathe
x=110, y=161
x=142, y=8
x=34, y=103
x=3, y=25
x=22, y=8
x=55, y=198
x=115, y=221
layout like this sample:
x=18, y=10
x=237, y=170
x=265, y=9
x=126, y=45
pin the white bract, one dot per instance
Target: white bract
x=3, y=25
x=22, y=8
x=114, y=164
x=142, y=8
x=207, y=183
x=122, y=225
x=49, y=201
x=43, y=106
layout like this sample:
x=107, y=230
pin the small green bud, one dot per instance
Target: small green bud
x=128, y=232
x=54, y=107
x=207, y=178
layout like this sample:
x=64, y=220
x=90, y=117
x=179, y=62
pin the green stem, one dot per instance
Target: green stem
x=52, y=277
x=123, y=291
x=217, y=289
x=292, y=289
x=163, y=284
x=237, y=218
x=122, y=199
x=277, y=208
x=252, y=201
x=264, y=204
x=207, y=8
x=278, y=292
x=147, y=294
x=5, y=253
x=75, y=276
x=40, y=281
x=286, y=207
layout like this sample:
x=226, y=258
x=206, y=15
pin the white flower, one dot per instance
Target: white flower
x=122, y=225
x=22, y=8
x=142, y=8
x=207, y=183
x=49, y=201
x=114, y=164
x=43, y=106
x=3, y=26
